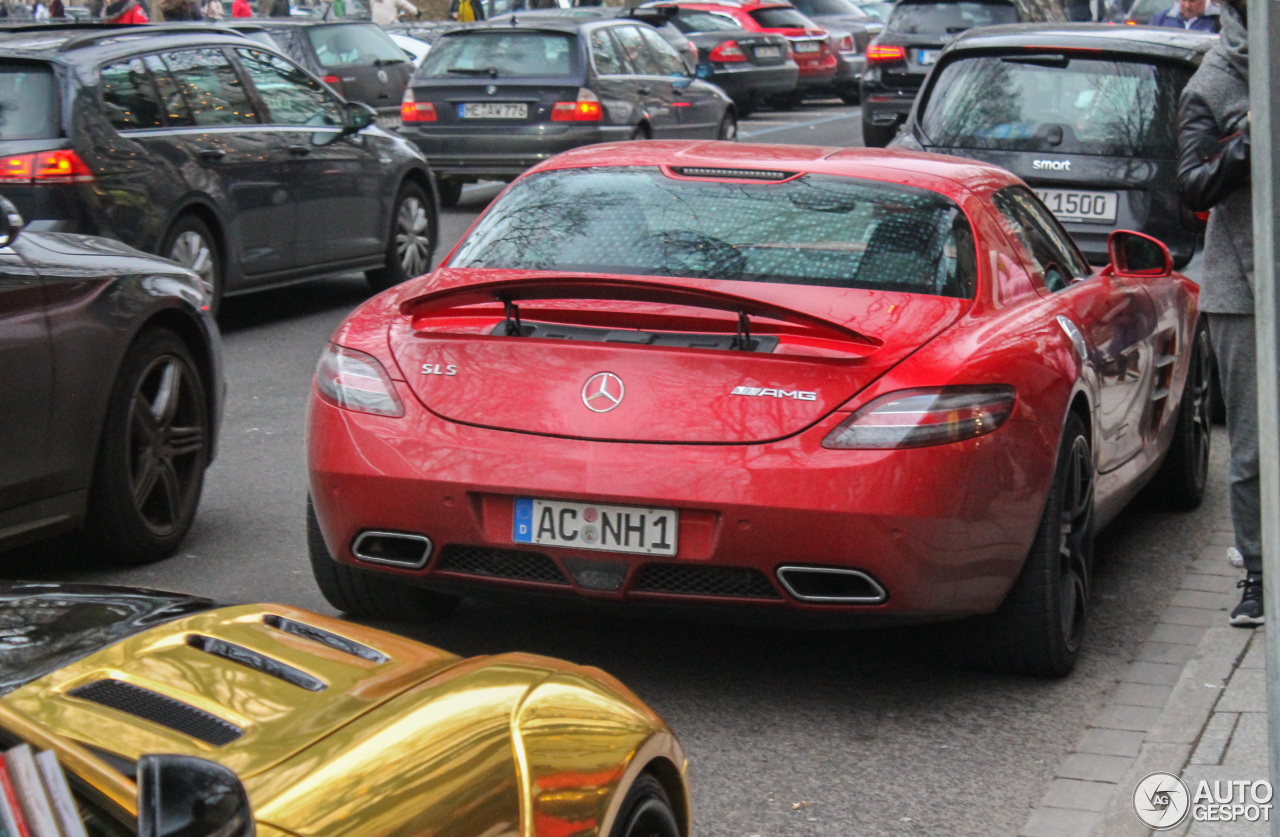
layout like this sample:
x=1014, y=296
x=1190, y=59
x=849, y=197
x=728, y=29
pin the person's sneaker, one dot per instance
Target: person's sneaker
x=1234, y=558
x=1249, y=612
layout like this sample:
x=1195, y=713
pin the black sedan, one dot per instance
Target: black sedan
x=112, y=393
x=492, y=100
x=1085, y=113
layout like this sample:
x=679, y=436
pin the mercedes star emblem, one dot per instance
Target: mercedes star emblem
x=491, y=89
x=382, y=76
x=602, y=392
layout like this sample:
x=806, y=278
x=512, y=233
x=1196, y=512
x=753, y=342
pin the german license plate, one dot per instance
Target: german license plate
x=595, y=526
x=389, y=122
x=493, y=110
x=768, y=52
x=1079, y=207
x=807, y=46
x=927, y=57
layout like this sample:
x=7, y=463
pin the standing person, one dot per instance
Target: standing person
x=124, y=11
x=213, y=11
x=1188, y=14
x=384, y=12
x=278, y=8
x=241, y=8
x=466, y=10
x=39, y=10
x=1214, y=173
x=57, y=10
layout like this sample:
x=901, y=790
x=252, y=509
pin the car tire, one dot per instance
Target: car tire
x=646, y=811
x=191, y=244
x=787, y=101
x=851, y=97
x=359, y=592
x=728, y=130
x=450, y=192
x=1038, y=628
x=1180, y=482
x=746, y=107
x=411, y=243
x=640, y=133
x=152, y=455
x=877, y=136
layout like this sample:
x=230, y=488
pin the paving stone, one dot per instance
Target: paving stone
x=1095, y=768
x=1165, y=652
x=1057, y=822
x=1217, y=583
x=1222, y=537
x=1203, y=600
x=1191, y=616
x=1110, y=742
x=1141, y=694
x=1213, y=561
x=1247, y=752
x=1155, y=674
x=1185, y=634
x=1256, y=656
x=1077, y=795
x=1247, y=692
x=1138, y=718
x=1192, y=777
x=1214, y=739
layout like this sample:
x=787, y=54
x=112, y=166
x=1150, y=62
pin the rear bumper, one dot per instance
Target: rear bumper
x=881, y=106
x=745, y=511
x=471, y=154
x=848, y=75
x=748, y=82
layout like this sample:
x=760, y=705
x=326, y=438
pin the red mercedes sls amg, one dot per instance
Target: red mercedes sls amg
x=876, y=383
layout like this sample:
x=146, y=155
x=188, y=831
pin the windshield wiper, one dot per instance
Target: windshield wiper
x=492, y=72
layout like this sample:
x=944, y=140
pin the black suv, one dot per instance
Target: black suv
x=1085, y=113
x=901, y=56
x=208, y=148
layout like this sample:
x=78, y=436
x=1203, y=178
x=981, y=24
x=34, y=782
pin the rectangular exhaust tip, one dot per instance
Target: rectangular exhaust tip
x=831, y=585
x=398, y=549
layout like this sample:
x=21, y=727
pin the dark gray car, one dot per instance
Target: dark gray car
x=492, y=100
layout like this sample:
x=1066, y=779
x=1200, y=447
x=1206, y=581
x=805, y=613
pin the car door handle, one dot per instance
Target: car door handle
x=644, y=91
x=299, y=150
x=212, y=153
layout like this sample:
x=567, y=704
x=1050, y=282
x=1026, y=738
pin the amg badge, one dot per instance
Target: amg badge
x=771, y=392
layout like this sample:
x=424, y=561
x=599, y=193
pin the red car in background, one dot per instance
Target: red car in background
x=863, y=383
x=811, y=45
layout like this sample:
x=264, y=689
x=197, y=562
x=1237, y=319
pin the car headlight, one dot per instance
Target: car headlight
x=916, y=418
x=356, y=381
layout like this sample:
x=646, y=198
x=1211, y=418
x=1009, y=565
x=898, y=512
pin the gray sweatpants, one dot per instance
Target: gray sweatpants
x=1237, y=351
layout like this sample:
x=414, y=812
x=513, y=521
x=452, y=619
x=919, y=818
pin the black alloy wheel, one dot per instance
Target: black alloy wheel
x=191, y=244
x=1181, y=480
x=412, y=239
x=646, y=811
x=1039, y=627
x=728, y=131
x=877, y=136
x=154, y=450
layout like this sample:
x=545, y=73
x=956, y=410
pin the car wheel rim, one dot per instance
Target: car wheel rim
x=166, y=445
x=1073, y=542
x=1199, y=385
x=728, y=130
x=413, y=237
x=194, y=253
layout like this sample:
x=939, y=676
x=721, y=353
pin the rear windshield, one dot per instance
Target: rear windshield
x=693, y=20
x=353, y=45
x=28, y=101
x=497, y=53
x=830, y=7
x=1057, y=104
x=948, y=18
x=780, y=17
x=822, y=230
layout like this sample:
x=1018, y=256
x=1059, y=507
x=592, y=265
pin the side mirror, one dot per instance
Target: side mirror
x=680, y=81
x=10, y=222
x=1136, y=255
x=358, y=115
x=184, y=796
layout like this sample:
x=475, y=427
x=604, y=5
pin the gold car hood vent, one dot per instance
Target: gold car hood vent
x=258, y=662
x=159, y=709
x=338, y=643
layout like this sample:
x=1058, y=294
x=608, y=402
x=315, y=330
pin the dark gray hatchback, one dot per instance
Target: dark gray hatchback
x=491, y=101
x=1085, y=113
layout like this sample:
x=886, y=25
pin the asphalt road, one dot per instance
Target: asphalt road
x=788, y=732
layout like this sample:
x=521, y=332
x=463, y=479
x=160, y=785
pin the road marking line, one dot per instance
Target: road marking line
x=794, y=125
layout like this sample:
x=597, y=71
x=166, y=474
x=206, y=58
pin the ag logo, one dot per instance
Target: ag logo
x=1161, y=801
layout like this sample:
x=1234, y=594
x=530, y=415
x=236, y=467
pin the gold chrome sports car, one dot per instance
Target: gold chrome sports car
x=331, y=728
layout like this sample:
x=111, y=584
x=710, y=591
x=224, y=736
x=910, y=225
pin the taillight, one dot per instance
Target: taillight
x=877, y=54
x=586, y=109
x=727, y=52
x=413, y=111
x=336, y=84
x=356, y=381
x=916, y=418
x=846, y=44
x=62, y=166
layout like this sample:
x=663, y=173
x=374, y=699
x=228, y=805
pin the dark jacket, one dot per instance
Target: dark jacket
x=1172, y=17
x=477, y=6
x=1213, y=167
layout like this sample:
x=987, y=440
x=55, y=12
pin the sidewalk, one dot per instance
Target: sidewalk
x=1193, y=704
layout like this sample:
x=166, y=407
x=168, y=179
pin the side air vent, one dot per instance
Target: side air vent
x=337, y=643
x=694, y=580
x=159, y=709
x=733, y=174
x=249, y=658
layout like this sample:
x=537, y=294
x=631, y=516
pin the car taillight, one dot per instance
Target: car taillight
x=846, y=44
x=728, y=51
x=877, y=54
x=916, y=418
x=356, y=381
x=63, y=166
x=413, y=111
x=586, y=109
x=336, y=84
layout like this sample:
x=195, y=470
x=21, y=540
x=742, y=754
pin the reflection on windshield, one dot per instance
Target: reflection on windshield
x=948, y=18
x=814, y=230
x=1051, y=103
x=519, y=53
